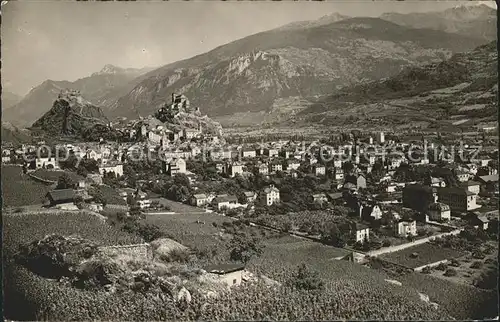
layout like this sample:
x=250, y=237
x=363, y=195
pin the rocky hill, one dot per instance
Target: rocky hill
x=100, y=88
x=71, y=115
x=251, y=74
x=476, y=21
x=461, y=92
x=179, y=115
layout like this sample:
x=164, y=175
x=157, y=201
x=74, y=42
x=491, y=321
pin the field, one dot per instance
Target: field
x=178, y=207
x=470, y=269
x=302, y=220
x=196, y=231
x=53, y=175
x=461, y=301
x=427, y=254
x=24, y=228
x=19, y=189
x=345, y=282
x=351, y=291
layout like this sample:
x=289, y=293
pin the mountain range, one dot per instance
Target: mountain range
x=475, y=21
x=277, y=73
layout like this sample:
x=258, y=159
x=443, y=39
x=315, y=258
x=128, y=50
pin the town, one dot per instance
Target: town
x=378, y=191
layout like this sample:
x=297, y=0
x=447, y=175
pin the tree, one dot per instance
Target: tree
x=64, y=182
x=306, y=279
x=181, y=179
x=244, y=247
x=131, y=200
x=178, y=193
x=99, y=198
x=348, y=167
x=332, y=235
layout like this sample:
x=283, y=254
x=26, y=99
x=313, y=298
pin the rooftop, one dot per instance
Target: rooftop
x=61, y=195
x=224, y=268
x=489, y=178
x=470, y=183
x=456, y=191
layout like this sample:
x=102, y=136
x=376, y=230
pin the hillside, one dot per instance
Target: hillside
x=11, y=134
x=100, y=88
x=476, y=21
x=251, y=74
x=461, y=91
x=71, y=115
x=9, y=99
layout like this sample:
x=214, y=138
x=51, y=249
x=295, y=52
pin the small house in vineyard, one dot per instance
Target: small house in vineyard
x=231, y=274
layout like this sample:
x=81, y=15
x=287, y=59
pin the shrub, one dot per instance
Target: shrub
x=179, y=255
x=476, y=264
x=450, y=272
x=55, y=256
x=427, y=270
x=441, y=267
x=478, y=254
x=454, y=263
x=305, y=279
x=386, y=243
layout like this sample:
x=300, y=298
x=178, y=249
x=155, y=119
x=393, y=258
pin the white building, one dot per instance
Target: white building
x=380, y=137
x=248, y=153
x=234, y=168
x=174, y=166
x=439, y=211
x=199, y=200
x=405, y=228
x=319, y=170
x=92, y=154
x=117, y=168
x=229, y=274
x=47, y=163
x=361, y=233
x=144, y=203
x=271, y=195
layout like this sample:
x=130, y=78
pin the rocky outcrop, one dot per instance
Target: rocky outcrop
x=71, y=115
x=180, y=115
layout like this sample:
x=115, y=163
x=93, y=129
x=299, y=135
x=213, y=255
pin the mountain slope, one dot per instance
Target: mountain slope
x=462, y=88
x=477, y=21
x=250, y=74
x=9, y=99
x=11, y=134
x=100, y=88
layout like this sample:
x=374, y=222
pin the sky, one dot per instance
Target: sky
x=61, y=40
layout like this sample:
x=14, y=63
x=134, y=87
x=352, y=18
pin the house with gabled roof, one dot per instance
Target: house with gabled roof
x=61, y=198
x=271, y=195
x=199, y=200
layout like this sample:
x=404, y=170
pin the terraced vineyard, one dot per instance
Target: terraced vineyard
x=299, y=219
x=24, y=228
x=459, y=300
x=22, y=190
